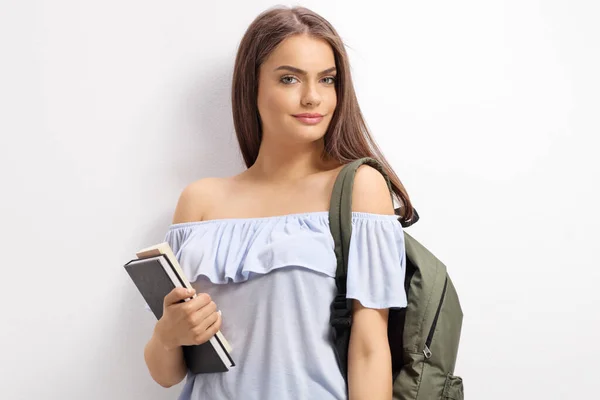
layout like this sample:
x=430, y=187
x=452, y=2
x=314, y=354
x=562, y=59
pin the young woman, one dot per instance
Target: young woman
x=257, y=245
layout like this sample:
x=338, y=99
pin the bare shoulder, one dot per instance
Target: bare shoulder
x=370, y=192
x=196, y=198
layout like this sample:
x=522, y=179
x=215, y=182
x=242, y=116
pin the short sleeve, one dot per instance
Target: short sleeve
x=174, y=237
x=377, y=261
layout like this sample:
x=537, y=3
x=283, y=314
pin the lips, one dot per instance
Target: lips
x=309, y=119
x=308, y=115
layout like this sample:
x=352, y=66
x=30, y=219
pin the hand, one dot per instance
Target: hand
x=187, y=323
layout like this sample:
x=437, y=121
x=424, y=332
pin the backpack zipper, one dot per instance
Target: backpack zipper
x=426, y=350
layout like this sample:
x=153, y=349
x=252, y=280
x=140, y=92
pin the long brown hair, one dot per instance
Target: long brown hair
x=347, y=137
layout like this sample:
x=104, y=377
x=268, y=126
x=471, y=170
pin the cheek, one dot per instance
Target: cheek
x=332, y=99
x=275, y=104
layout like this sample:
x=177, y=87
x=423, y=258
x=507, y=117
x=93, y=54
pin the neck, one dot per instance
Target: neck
x=288, y=162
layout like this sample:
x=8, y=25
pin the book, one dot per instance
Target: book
x=164, y=249
x=156, y=272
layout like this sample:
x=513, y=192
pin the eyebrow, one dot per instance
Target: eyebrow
x=302, y=72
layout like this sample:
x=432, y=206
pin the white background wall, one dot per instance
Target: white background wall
x=488, y=110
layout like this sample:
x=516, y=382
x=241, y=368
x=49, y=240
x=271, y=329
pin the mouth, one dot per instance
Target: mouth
x=309, y=119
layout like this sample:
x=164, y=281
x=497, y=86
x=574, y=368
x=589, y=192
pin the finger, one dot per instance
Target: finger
x=201, y=300
x=203, y=313
x=217, y=325
x=206, y=310
x=205, y=323
x=212, y=329
x=204, y=335
x=194, y=318
x=178, y=294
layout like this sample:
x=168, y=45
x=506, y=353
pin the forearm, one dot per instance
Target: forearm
x=370, y=376
x=167, y=367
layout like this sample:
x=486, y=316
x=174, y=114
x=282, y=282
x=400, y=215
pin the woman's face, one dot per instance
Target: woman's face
x=298, y=77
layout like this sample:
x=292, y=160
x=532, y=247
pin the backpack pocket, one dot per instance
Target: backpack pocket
x=453, y=389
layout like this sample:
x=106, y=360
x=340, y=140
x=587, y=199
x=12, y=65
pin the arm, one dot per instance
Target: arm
x=193, y=322
x=369, y=359
x=167, y=366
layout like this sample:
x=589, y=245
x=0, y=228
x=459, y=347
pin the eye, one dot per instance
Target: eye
x=283, y=80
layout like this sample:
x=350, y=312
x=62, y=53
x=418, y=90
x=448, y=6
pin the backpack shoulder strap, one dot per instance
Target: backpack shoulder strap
x=340, y=223
x=340, y=214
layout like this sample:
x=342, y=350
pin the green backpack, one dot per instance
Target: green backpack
x=424, y=336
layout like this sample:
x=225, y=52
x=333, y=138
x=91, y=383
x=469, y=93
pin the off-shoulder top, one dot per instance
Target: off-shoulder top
x=273, y=278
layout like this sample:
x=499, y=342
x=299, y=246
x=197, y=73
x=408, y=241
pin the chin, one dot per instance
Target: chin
x=308, y=134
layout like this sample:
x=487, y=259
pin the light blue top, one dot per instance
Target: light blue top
x=273, y=280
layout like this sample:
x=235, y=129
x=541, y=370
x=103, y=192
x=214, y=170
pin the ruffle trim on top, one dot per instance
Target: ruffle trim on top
x=236, y=250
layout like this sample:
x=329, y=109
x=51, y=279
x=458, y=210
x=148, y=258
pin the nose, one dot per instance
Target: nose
x=311, y=96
